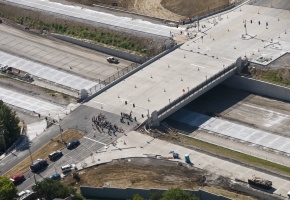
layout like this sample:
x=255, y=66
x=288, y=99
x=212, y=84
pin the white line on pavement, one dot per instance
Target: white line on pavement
x=95, y=140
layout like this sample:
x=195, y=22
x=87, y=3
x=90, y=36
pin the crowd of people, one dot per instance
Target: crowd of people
x=100, y=123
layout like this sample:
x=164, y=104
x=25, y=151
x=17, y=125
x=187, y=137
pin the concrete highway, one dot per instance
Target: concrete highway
x=63, y=56
x=95, y=16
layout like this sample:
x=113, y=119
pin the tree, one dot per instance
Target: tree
x=7, y=189
x=50, y=189
x=8, y=125
x=177, y=194
x=137, y=197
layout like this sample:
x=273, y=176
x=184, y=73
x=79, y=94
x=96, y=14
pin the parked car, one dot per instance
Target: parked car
x=55, y=155
x=17, y=178
x=38, y=165
x=55, y=176
x=73, y=144
x=23, y=193
x=67, y=168
x=112, y=60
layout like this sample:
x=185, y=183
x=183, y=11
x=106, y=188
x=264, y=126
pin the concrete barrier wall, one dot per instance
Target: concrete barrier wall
x=106, y=50
x=128, y=193
x=258, y=87
x=209, y=85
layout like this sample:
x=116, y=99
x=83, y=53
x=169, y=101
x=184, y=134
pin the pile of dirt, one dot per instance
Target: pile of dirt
x=175, y=10
x=152, y=173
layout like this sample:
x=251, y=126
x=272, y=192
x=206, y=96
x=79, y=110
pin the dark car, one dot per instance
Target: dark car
x=55, y=176
x=55, y=155
x=112, y=60
x=17, y=178
x=73, y=144
x=38, y=165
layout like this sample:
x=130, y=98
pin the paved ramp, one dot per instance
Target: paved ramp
x=233, y=130
x=95, y=16
x=279, y=4
x=45, y=72
x=29, y=103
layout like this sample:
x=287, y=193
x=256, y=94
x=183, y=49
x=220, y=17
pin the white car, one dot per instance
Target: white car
x=23, y=193
x=67, y=168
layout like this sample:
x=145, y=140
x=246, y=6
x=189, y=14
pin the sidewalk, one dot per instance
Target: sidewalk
x=139, y=145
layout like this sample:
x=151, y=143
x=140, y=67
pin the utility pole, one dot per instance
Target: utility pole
x=197, y=24
x=60, y=130
x=245, y=25
x=32, y=163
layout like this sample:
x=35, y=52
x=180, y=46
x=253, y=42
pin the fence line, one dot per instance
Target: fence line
x=112, y=78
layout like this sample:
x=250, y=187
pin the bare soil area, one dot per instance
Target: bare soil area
x=175, y=10
x=152, y=173
x=42, y=153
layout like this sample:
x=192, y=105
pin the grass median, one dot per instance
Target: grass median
x=43, y=152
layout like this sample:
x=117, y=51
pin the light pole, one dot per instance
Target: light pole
x=60, y=130
x=32, y=163
x=245, y=25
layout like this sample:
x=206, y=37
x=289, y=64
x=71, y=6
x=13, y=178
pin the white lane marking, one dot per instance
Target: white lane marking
x=227, y=59
x=266, y=110
x=95, y=141
x=197, y=66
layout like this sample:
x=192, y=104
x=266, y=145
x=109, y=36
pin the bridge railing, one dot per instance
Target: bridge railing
x=195, y=89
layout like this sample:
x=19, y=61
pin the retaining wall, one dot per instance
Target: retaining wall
x=258, y=87
x=106, y=50
x=128, y=193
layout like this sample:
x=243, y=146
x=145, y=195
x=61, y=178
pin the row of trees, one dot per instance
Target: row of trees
x=48, y=189
x=9, y=129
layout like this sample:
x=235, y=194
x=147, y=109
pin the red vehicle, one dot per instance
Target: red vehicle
x=17, y=178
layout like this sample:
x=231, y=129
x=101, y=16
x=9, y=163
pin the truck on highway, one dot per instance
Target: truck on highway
x=259, y=182
x=16, y=73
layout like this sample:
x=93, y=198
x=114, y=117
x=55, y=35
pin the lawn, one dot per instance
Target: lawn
x=42, y=153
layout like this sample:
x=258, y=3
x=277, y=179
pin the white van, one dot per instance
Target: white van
x=67, y=168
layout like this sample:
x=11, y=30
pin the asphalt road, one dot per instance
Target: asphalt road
x=92, y=141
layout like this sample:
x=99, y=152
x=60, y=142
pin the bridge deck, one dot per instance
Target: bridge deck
x=216, y=47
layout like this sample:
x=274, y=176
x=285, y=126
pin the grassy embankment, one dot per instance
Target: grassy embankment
x=74, y=29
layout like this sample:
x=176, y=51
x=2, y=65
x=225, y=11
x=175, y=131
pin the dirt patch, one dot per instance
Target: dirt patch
x=152, y=173
x=53, y=145
x=175, y=10
x=278, y=72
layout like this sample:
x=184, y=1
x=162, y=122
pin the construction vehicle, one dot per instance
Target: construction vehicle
x=259, y=182
x=16, y=73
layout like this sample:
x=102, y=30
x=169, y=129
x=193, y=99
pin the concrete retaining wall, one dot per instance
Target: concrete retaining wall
x=128, y=193
x=258, y=87
x=206, y=86
x=106, y=50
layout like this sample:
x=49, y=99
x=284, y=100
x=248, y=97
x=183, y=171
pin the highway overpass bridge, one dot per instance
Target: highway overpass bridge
x=170, y=81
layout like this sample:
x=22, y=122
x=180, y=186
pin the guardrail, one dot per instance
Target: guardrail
x=196, y=89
